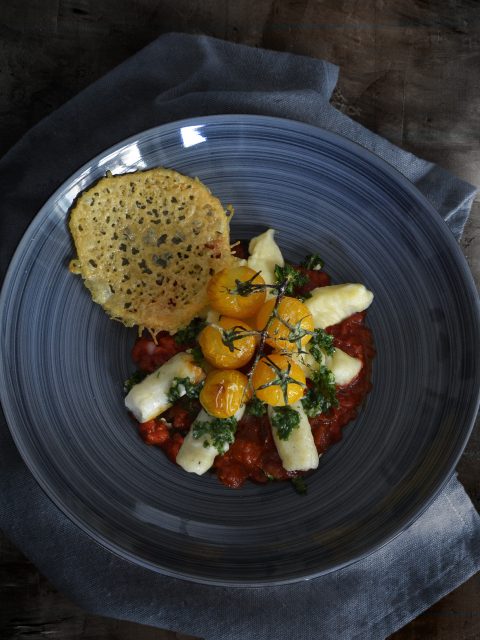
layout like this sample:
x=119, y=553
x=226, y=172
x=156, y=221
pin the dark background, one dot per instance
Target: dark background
x=409, y=70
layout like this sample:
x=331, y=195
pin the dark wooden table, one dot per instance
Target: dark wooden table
x=410, y=70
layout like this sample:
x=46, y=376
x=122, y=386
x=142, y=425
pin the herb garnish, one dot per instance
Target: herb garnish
x=183, y=386
x=313, y=262
x=299, y=485
x=321, y=341
x=134, y=379
x=197, y=354
x=291, y=276
x=219, y=431
x=322, y=396
x=189, y=334
x=284, y=420
x=282, y=380
x=256, y=407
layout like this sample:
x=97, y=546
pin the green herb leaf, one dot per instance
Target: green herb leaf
x=179, y=385
x=321, y=341
x=322, y=396
x=245, y=288
x=220, y=432
x=297, y=332
x=189, y=334
x=289, y=274
x=197, y=354
x=283, y=378
x=256, y=407
x=229, y=336
x=284, y=420
x=134, y=379
x=313, y=262
x=299, y=485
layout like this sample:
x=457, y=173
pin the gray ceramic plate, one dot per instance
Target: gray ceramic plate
x=63, y=362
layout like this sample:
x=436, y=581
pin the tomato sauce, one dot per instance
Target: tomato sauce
x=253, y=455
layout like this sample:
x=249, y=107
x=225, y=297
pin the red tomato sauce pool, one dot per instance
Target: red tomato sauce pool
x=253, y=455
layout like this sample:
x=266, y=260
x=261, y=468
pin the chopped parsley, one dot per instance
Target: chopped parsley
x=197, y=354
x=183, y=386
x=134, y=379
x=313, y=262
x=284, y=420
x=293, y=277
x=299, y=485
x=321, y=341
x=322, y=396
x=256, y=407
x=305, y=296
x=219, y=431
x=189, y=334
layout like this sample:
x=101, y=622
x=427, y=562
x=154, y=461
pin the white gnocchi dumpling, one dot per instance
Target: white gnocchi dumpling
x=345, y=368
x=264, y=255
x=298, y=452
x=149, y=398
x=332, y=304
x=195, y=455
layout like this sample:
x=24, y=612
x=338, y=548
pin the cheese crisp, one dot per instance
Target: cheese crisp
x=147, y=244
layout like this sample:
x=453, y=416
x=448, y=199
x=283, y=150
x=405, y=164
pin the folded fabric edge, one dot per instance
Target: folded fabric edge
x=331, y=70
x=451, y=196
x=431, y=595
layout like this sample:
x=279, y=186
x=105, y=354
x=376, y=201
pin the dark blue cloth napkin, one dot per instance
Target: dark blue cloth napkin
x=181, y=76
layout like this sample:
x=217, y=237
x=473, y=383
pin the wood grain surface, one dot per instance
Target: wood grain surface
x=409, y=70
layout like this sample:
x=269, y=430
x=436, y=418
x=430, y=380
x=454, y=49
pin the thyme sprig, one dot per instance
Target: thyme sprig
x=245, y=288
x=282, y=380
x=229, y=336
x=263, y=333
x=287, y=280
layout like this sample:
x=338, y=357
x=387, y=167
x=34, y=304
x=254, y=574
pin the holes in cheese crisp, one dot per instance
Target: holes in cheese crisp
x=154, y=226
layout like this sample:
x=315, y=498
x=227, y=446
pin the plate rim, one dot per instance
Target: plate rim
x=321, y=134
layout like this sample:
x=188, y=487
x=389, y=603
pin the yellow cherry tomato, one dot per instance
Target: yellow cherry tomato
x=224, y=392
x=282, y=336
x=277, y=380
x=220, y=355
x=223, y=296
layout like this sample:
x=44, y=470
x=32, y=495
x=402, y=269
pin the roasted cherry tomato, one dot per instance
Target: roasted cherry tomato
x=224, y=293
x=224, y=392
x=223, y=356
x=277, y=380
x=292, y=319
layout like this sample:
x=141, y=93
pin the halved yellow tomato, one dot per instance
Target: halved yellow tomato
x=224, y=392
x=224, y=292
x=277, y=380
x=286, y=331
x=234, y=355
